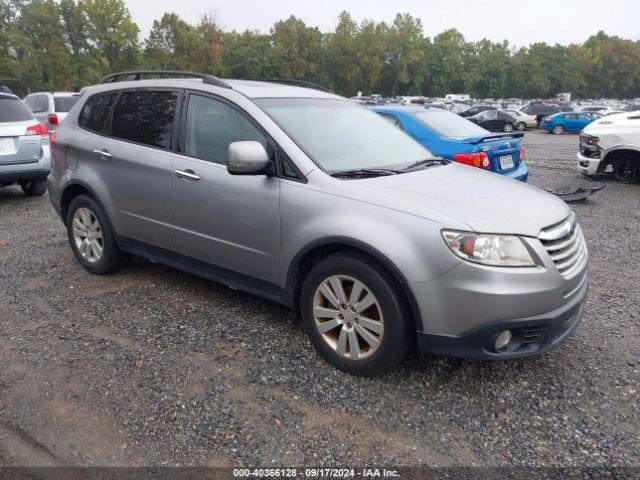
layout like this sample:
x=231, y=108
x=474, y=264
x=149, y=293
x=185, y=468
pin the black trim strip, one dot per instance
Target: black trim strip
x=206, y=270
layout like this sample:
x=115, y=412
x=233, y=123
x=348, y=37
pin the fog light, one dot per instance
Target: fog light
x=503, y=339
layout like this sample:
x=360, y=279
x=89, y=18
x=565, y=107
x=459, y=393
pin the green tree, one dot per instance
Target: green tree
x=245, y=55
x=113, y=34
x=405, y=53
x=296, y=49
x=175, y=45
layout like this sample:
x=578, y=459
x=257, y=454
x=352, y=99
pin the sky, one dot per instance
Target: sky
x=521, y=22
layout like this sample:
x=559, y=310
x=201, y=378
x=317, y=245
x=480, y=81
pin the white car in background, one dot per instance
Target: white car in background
x=51, y=108
x=611, y=144
x=524, y=119
x=602, y=110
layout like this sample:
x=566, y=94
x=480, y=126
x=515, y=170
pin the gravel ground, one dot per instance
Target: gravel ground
x=150, y=366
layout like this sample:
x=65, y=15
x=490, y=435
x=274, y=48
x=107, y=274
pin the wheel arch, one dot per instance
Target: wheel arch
x=72, y=190
x=312, y=253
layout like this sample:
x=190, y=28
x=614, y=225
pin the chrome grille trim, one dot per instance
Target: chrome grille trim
x=565, y=245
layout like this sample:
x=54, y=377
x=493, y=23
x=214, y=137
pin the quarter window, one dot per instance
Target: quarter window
x=212, y=125
x=95, y=113
x=145, y=117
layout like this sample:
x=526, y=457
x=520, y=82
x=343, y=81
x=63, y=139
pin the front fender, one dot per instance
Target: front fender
x=411, y=246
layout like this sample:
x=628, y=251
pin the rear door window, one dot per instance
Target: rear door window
x=13, y=109
x=64, y=104
x=145, y=117
x=95, y=113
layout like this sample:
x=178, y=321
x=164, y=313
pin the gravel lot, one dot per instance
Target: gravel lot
x=151, y=366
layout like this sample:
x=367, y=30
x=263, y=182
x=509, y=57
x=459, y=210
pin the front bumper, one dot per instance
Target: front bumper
x=588, y=166
x=530, y=336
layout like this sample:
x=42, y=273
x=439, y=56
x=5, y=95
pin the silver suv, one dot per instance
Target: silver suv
x=310, y=200
x=25, y=156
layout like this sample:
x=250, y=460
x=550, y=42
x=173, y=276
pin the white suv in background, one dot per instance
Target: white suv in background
x=51, y=108
x=612, y=145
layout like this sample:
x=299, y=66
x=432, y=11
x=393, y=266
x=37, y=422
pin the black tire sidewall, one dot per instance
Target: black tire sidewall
x=398, y=335
x=111, y=257
x=506, y=129
x=34, y=188
x=521, y=127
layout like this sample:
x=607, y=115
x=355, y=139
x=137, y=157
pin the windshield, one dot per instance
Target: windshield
x=340, y=135
x=451, y=125
x=64, y=104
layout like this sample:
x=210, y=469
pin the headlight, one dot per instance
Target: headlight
x=494, y=250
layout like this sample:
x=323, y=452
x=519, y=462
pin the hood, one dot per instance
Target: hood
x=486, y=202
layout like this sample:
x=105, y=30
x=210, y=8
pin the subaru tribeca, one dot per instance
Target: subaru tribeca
x=310, y=200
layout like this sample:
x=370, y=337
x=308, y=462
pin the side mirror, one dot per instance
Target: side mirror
x=246, y=158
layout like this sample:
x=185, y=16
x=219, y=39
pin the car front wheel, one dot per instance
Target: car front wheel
x=355, y=315
x=521, y=126
x=558, y=129
x=91, y=238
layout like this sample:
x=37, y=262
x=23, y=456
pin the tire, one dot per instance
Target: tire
x=558, y=129
x=34, y=188
x=394, y=329
x=521, y=126
x=508, y=127
x=86, y=210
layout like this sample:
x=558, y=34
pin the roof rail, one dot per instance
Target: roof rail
x=297, y=83
x=138, y=74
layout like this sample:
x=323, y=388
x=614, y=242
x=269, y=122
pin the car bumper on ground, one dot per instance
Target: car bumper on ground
x=588, y=166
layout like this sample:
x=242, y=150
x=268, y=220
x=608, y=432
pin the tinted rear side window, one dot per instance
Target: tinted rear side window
x=95, y=113
x=145, y=116
x=64, y=104
x=14, y=110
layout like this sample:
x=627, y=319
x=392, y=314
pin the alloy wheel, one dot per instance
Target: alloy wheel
x=87, y=235
x=348, y=316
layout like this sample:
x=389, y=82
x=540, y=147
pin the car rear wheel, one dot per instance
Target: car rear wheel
x=508, y=127
x=354, y=315
x=91, y=238
x=34, y=188
x=558, y=129
x=521, y=126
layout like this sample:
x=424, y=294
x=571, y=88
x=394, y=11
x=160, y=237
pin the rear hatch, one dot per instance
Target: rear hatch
x=19, y=144
x=503, y=150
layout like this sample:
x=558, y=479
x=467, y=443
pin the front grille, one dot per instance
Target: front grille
x=565, y=245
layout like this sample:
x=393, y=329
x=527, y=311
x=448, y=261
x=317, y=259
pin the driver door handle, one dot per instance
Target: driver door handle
x=102, y=153
x=188, y=174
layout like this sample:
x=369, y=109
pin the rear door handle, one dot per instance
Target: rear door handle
x=188, y=174
x=102, y=153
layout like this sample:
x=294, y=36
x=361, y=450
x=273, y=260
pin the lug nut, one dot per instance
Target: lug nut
x=341, y=316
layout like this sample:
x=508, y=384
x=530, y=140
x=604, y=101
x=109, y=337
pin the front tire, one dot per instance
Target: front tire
x=355, y=315
x=521, y=126
x=508, y=127
x=34, y=188
x=558, y=129
x=91, y=238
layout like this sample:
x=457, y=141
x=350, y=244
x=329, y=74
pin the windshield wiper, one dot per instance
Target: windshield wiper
x=427, y=162
x=366, y=172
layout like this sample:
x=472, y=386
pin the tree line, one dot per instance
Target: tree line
x=68, y=44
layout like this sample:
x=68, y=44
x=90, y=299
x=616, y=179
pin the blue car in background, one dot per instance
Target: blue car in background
x=568, y=121
x=455, y=138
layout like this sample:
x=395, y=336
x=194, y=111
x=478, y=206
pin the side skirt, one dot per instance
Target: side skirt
x=202, y=269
